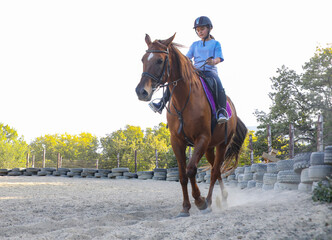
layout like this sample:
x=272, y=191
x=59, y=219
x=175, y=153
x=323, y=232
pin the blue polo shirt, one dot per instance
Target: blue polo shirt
x=200, y=53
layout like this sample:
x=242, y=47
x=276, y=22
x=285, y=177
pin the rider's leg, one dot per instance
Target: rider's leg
x=220, y=98
x=158, y=107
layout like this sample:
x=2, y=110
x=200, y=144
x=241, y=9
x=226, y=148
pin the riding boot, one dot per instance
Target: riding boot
x=221, y=113
x=159, y=106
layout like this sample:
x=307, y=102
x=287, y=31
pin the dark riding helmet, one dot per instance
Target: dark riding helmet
x=203, y=21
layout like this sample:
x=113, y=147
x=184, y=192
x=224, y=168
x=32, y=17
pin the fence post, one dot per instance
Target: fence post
x=27, y=163
x=291, y=141
x=58, y=162
x=156, y=153
x=44, y=157
x=33, y=161
x=320, y=145
x=269, y=138
x=135, y=161
x=251, y=149
x=118, y=156
x=97, y=163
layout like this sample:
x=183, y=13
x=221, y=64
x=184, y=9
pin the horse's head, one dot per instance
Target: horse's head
x=156, y=67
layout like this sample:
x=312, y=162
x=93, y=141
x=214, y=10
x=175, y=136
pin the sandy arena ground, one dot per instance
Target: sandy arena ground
x=77, y=208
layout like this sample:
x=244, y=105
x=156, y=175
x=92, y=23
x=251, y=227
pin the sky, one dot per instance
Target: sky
x=72, y=66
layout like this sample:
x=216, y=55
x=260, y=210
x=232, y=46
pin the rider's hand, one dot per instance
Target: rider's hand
x=212, y=61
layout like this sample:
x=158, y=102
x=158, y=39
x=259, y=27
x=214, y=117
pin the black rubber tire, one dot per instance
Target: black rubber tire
x=283, y=165
x=288, y=176
x=254, y=167
x=4, y=170
x=267, y=187
x=305, y=176
x=319, y=172
x=42, y=173
x=14, y=173
x=317, y=158
x=261, y=168
x=251, y=184
x=247, y=169
x=248, y=176
x=120, y=170
x=328, y=155
x=305, y=187
x=270, y=178
x=272, y=168
x=258, y=177
x=239, y=170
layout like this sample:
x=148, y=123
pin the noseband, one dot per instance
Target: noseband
x=159, y=79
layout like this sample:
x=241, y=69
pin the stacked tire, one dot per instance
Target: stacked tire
x=145, y=175
x=172, y=174
x=248, y=177
x=75, y=172
x=270, y=177
x=200, y=175
x=287, y=179
x=16, y=172
x=159, y=174
x=4, y=172
x=118, y=173
x=102, y=173
x=260, y=169
x=320, y=168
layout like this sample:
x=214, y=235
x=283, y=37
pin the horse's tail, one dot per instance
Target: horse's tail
x=233, y=150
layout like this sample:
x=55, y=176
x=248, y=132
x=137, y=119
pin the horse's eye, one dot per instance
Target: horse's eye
x=159, y=61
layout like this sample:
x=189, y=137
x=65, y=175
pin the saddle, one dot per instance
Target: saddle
x=210, y=89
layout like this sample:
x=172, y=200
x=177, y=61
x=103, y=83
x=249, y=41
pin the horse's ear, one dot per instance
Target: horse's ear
x=147, y=39
x=167, y=42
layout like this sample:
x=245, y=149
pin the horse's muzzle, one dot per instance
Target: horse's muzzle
x=143, y=94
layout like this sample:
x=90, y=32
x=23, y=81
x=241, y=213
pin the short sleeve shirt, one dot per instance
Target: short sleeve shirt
x=201, y=53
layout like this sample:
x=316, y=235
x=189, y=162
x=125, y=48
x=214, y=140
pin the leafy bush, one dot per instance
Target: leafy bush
x=322, y=192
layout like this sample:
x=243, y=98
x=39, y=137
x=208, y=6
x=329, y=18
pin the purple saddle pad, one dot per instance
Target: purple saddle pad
x=211, y=100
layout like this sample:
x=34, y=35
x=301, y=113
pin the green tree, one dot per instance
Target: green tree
x=13, y=149
x=76, y=150
x=298, y=100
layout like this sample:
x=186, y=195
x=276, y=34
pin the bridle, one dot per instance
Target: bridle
x=159, y=79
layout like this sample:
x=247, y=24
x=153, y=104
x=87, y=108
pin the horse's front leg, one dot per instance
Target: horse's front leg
x=215, y=171
x=179, y=150
x=200, y=148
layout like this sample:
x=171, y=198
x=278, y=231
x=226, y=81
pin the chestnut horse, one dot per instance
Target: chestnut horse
x=189, y=119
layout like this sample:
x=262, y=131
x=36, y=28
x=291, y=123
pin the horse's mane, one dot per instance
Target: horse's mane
x=187, y=70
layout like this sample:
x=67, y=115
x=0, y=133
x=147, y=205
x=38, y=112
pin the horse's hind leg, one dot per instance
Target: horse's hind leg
x=224, y=193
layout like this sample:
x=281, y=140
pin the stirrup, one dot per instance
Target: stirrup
x=224, y=112
x=153, y=107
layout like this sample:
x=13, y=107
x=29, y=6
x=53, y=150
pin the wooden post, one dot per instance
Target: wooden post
x=97, y=163
x=58, y=162
x=60, y=166
x=44, y=157
x=33, y=161
x=291, y=141
x=269, y=139
x=27, y=163
x=118, y=156
x=320, y=145
x=251, y=149
x=135, y=161
x=156, y=153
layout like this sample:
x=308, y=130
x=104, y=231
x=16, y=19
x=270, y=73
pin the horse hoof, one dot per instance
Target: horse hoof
x=203, y=205
x=207, y=210
x=182, y=214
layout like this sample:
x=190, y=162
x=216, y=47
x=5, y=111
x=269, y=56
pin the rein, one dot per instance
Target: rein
x=159, y=81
